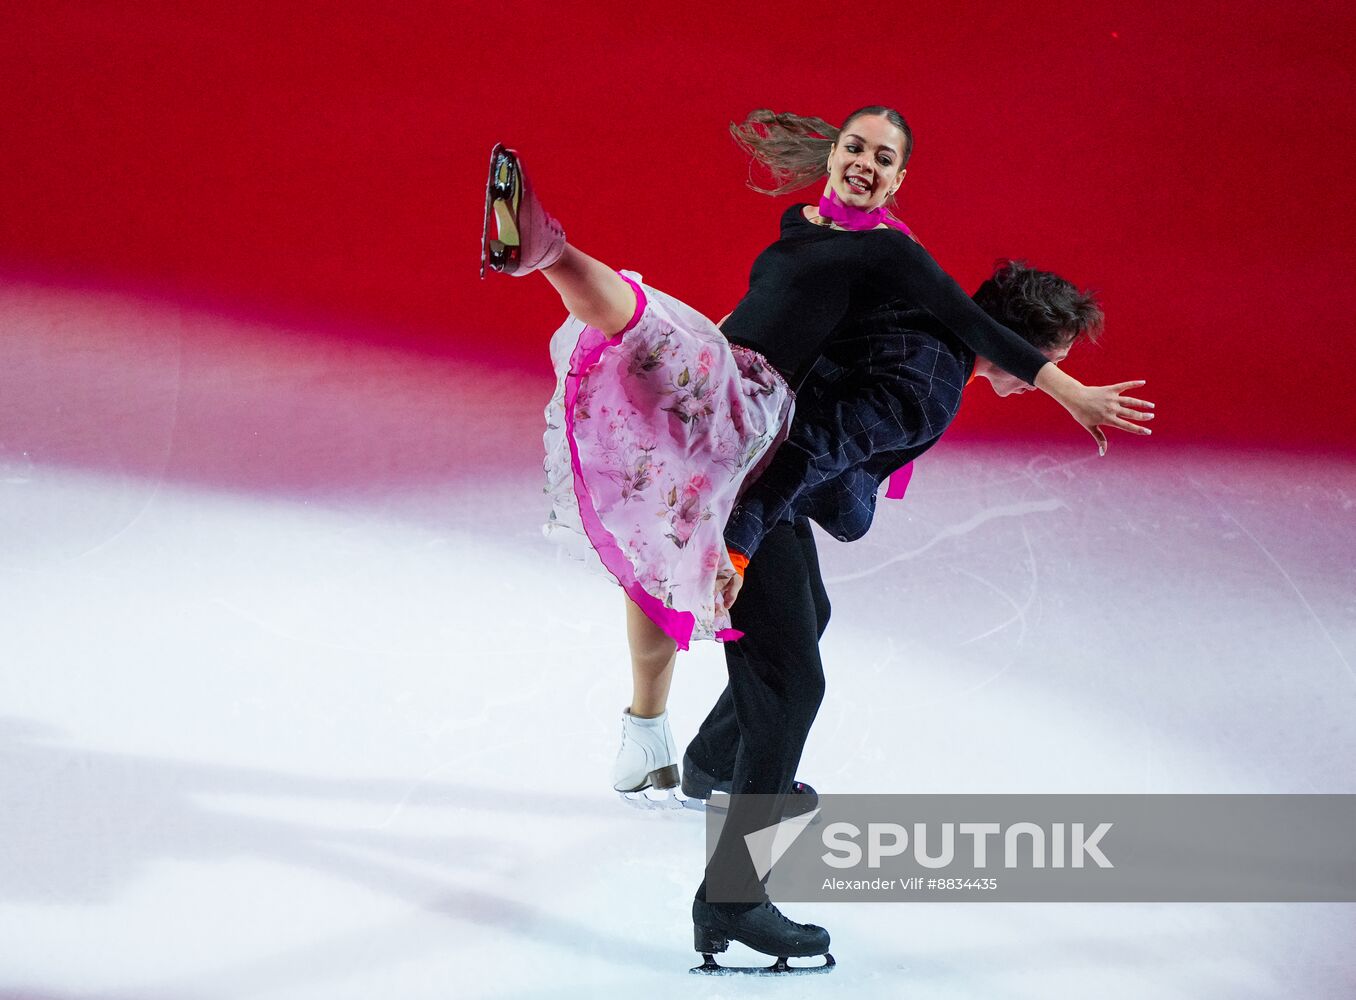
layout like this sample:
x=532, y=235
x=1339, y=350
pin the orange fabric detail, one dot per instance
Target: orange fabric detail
x=741, y=562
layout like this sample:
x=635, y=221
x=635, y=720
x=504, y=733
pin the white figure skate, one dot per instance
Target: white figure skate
x=646, y=771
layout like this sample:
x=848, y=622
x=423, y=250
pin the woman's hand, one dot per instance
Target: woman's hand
x=1097, y=406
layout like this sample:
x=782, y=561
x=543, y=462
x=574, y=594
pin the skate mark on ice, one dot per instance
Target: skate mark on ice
x=436, y=656
x=840, y=724
x=1327, y=634
x=400, y=938
x=1019, y=617
x=956, y=531
x=427, y=777
x=1034, y=471
x=1019, y=611
x=310, y=640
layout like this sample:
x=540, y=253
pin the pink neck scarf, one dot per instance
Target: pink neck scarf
x=832, y=208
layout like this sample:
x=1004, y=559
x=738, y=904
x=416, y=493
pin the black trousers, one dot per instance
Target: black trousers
x=756, y=732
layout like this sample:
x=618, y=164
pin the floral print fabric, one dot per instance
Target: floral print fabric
x=649, y=437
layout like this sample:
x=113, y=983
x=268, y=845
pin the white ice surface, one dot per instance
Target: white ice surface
x=295, y=702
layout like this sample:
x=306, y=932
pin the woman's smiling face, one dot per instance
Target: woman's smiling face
x=866, y=165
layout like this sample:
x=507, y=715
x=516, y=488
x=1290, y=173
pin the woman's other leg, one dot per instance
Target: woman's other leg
x=648, y=754
x=653, y=654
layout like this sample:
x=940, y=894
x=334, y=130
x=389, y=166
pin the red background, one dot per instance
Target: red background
x=323, y=164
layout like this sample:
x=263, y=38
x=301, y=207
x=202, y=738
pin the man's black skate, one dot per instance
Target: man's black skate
x=703, y=790
x=763, y=928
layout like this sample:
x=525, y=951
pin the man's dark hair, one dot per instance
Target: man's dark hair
x=1044, y=308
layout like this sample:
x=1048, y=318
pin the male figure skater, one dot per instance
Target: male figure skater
x=882, y=394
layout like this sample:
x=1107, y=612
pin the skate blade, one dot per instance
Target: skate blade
x=719, y=803
x=781, y=967
x=501, y=189
x=716, y=802
x=656, y=799
x=489, y=203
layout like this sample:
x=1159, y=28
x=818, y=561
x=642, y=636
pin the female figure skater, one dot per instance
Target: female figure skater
x=659, y=417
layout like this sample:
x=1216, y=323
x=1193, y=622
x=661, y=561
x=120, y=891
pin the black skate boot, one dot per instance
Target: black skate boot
x=703, y=790
x=763, y=928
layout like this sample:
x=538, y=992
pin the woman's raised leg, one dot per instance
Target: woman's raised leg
x=528, y=239
x=592, y=291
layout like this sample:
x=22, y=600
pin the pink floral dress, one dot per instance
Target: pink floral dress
x=650, y=435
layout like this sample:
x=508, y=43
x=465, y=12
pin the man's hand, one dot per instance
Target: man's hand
x=727, y=589
x=1097, y=406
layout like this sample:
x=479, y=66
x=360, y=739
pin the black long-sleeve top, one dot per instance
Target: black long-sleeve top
x=814, y=280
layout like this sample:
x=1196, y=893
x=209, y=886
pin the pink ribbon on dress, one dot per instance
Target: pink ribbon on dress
x=899, y=482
